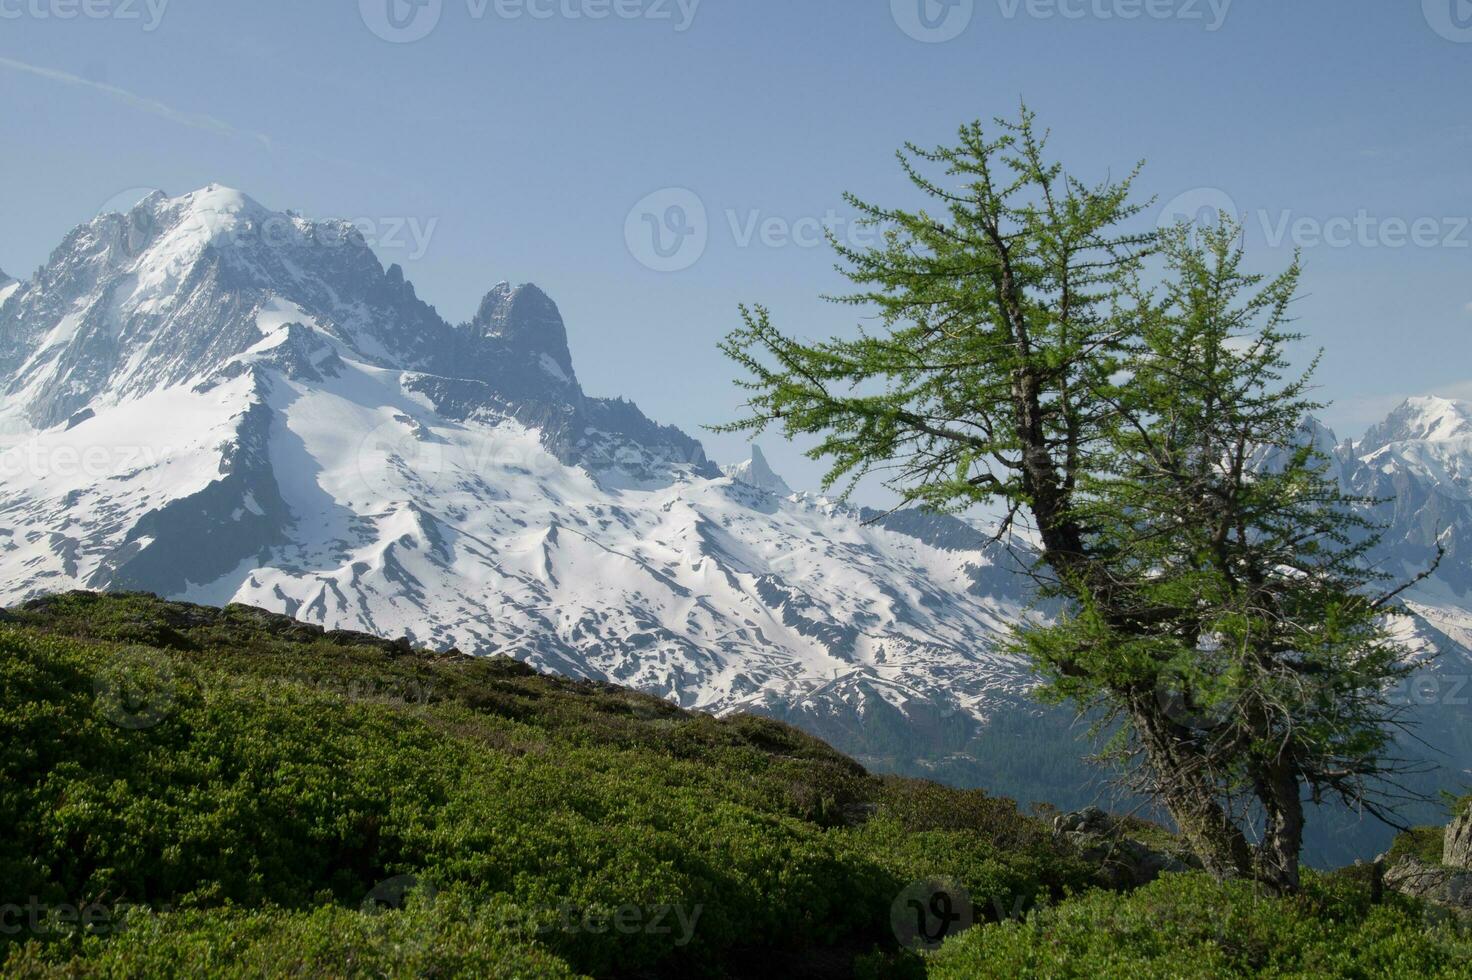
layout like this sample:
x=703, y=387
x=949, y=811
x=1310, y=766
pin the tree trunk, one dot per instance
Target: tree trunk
x=1281, y=795
x=1191, y=799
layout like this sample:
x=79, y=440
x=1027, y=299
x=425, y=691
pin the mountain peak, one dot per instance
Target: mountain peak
x=1421, y=419
x=178, y=230
x=757, y=473
x=527, y=320
x=212, y=196
x=213, y=204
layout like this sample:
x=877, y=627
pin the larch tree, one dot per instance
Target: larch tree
x=1151, y=438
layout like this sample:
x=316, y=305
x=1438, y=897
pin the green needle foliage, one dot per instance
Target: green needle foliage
x=1128, y=394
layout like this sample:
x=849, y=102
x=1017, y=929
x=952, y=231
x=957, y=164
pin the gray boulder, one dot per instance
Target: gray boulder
x=1126, y=861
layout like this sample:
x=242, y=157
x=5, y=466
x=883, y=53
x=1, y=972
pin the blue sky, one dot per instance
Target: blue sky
x=528, y=140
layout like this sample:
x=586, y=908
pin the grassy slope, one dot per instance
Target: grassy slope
x=270, y=767
x=255, y=785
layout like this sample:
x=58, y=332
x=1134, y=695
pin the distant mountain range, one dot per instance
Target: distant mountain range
x=213, y=401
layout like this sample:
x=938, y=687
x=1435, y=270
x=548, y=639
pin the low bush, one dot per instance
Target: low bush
x=1185, y=927
x=252, y=774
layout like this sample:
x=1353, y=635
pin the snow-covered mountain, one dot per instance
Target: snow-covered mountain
x=211, y=400
x=1419, y=463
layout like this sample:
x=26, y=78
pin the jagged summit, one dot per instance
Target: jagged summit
x=177, y=289
x=527, y=320
x=192, y=289
x=181, y=227
x=755, y=472
x=1425, y=419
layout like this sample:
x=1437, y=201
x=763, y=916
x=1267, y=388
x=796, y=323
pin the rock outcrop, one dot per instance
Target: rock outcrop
x=1437, y=884
x=1449, y=883
x=1127, y=862
x=1458, y=847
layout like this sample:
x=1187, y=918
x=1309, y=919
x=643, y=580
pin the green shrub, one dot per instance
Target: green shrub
x=256, y=780
x=1184, y=927
x=446, y=939
x=1423, y=843
x=255, y=765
